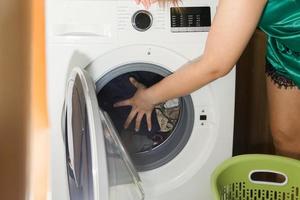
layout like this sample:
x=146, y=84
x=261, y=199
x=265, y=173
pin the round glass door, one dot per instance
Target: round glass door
x=98, y=167
x=78, y=142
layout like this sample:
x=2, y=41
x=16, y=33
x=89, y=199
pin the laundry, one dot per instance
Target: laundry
x=135, y=143
x=120, y=89
x=168, y=115
x=164, y=118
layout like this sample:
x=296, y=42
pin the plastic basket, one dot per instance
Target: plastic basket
x=233, y=180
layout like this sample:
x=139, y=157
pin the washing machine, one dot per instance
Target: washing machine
x=94, y=45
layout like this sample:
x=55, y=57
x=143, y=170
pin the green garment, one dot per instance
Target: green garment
x=281, y=22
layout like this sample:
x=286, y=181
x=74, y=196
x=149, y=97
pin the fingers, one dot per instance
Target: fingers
x=130, y=117
x=135, y=83
x=149, y=123
x=138, y=121
x=123, y=103
x=146, y=3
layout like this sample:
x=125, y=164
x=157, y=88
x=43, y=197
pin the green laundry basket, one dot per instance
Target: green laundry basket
x=236, y=178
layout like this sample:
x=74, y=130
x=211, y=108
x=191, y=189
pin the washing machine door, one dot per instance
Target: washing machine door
x=98, y=166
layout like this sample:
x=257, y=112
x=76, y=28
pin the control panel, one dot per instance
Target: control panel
x=190, y=19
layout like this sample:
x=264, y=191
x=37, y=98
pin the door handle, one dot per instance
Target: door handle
x=82, y=30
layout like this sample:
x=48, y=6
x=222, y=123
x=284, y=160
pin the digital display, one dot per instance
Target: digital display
x=190, y=19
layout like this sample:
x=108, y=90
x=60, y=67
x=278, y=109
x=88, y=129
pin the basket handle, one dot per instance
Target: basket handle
x=265, y=171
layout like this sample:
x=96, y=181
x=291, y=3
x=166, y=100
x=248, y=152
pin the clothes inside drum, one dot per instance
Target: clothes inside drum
x=164, y=117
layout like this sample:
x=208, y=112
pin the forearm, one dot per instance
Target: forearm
x=184, y=81
x=231, y=30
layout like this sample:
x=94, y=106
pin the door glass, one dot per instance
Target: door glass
x=98, y=167
x=123, y=179
x=78, y=145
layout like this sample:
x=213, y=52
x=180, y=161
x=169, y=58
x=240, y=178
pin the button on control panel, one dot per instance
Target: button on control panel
x=205, y=116
x=142, y=20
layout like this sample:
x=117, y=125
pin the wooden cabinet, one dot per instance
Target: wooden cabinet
x=252, y=134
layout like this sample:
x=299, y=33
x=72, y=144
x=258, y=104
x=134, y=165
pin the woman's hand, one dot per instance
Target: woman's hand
x=141, y=105
x=146, y=3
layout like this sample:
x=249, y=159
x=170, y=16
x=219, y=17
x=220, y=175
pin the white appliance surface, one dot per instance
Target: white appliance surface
x=98, y=37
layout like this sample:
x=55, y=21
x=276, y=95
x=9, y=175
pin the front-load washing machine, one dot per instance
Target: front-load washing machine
x=93, y=48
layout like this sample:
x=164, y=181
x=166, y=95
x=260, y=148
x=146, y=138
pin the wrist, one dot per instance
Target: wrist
x=150, y=97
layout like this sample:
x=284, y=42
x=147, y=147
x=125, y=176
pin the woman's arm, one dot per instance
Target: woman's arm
x=231, y=30
x=232, y=27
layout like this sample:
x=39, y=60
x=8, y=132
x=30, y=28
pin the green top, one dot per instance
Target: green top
x=281, y=22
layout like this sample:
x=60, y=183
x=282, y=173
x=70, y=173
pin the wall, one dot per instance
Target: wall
x=40, y=136
x=14, y=96
x=38, y=102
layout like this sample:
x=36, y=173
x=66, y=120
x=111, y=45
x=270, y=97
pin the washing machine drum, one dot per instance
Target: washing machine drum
x=102, y=157
x=164, y=119
x=172, y=121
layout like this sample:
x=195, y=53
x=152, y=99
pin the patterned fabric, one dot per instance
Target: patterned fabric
x=278, y=79
x=281, y=22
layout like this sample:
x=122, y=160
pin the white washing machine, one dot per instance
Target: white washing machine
x=90, y=44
